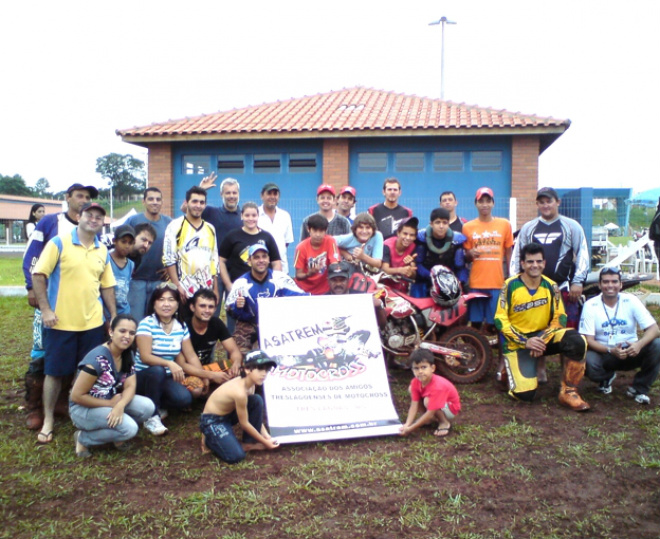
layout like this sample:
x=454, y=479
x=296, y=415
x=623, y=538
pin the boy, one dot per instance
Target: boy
x=122, y=267
x=314, y=255
x=439, y=244
x=235, y=402
x=440, y=398
x=399, y=255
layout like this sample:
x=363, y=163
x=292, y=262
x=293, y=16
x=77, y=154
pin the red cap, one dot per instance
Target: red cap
x=484, y=191
x=348, y=189
x=325, y=187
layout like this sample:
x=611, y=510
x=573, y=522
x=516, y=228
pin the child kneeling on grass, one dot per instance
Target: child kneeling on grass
x=437, y=394
x=235, y=402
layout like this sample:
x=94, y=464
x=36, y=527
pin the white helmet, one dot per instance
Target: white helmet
x=445, y=288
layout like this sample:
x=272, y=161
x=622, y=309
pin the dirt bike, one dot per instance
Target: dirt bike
x=462, y=354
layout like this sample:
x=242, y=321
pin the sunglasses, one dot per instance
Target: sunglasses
x=610, y=270
x=167, y=284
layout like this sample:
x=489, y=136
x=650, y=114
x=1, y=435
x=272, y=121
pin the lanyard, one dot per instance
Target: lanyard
x=609, y=320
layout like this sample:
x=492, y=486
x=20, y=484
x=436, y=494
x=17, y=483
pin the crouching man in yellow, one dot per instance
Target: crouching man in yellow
x=530, y=315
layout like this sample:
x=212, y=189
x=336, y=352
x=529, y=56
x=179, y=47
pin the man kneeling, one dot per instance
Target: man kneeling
x=235, y=402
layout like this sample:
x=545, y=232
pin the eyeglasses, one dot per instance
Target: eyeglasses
x=610, y=270
x=167, y=284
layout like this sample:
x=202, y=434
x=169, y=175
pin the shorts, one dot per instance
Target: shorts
x=65, y=349
x=483, y=309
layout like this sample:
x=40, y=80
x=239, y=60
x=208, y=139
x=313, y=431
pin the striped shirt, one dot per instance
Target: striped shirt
x=163, y=345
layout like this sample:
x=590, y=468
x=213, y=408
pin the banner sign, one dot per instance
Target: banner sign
x=330, y=382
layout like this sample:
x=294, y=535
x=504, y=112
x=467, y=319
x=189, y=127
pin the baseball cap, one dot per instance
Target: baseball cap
x=124, y=230
x=348, y=189
x=411, y=221
x=257, y=247
x=93, y=206
x=547, y=192
x=93, y=191
x=269, y=187
x=484, y=191
x=257, y=358
x=339, y=269
x=325, y=187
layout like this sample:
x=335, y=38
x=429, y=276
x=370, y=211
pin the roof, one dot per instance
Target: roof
x=17, y=208
x=351, y=112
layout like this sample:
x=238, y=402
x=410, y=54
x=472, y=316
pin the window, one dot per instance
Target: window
x=447, y=161
x=231, y=164
x=486, y=161
x=196, y=164
x=302, y=162
x=409, y=162
x=267, y=163
x=372, y=162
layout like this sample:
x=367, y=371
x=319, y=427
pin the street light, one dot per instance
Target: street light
x=442, y=21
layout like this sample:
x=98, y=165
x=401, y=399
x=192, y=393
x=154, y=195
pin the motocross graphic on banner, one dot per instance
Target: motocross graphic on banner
x=330, y=382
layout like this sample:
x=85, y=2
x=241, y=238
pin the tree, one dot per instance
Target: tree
x=125, y=173
x=14, y=185
x=41, y=188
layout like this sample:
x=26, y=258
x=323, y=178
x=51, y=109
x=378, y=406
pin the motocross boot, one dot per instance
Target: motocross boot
x=568, y=394
x=34, y=384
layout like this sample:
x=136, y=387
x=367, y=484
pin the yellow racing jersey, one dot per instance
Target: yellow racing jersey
x=523, y=313
x=193, y=250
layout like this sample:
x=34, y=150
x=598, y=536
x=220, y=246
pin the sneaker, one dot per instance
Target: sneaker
x=640, y=398
x=605, y=387
x=155, y=426
x=163, y=413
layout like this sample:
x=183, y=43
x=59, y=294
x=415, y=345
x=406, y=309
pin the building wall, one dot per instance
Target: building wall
x=336, y=160
x=525, y=177
x=161, y=173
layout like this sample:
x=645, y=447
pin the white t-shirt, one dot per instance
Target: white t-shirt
x=281, y=229
x=619, y=324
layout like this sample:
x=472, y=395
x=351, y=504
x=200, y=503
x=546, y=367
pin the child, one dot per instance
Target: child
x=314, y=255
x=122, y=267
x=441, y=399
x=235, y=402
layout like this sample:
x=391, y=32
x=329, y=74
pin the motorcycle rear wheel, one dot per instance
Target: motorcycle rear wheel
x=469, y=341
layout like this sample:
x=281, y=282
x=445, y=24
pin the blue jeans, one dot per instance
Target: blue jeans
x=220, y=437
x=139, y=293
x=93, y=422
x=156, y=384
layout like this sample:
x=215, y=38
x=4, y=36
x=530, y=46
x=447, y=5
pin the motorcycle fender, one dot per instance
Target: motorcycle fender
x=448, y=316
x=474, y=295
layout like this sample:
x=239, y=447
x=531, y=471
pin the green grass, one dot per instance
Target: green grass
x=11, y=272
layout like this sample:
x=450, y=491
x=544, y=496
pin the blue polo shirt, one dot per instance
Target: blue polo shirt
x=223, y=220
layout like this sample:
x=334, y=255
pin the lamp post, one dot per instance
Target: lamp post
x=442, y=21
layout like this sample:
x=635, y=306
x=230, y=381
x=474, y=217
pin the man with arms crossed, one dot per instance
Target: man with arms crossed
x=610, y=322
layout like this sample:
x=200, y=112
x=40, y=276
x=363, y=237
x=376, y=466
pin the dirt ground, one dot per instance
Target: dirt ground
x=507, y=469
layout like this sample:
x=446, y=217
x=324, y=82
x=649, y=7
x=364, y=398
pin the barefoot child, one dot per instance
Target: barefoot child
x=235, y=402
x=440, y=398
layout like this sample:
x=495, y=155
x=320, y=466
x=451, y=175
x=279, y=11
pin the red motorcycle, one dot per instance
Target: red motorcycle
x=462, y=354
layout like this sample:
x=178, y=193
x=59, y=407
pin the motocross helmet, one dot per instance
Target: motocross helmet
x=445, y=288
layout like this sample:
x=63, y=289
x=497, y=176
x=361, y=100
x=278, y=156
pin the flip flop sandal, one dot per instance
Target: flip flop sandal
x=44, y=438
x=438, y=433
x=85, y=454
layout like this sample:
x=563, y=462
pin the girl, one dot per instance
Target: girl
x=36, y=213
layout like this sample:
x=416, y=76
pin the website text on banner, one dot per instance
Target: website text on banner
x=330, y=382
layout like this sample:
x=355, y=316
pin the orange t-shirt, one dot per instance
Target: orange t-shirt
x=491, y=239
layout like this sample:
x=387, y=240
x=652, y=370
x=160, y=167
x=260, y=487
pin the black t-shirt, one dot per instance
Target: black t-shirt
x=388, y=219
x=551, y=237
x=203, y=344
x=235, y=246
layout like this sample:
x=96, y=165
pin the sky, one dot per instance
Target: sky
x=73, y=72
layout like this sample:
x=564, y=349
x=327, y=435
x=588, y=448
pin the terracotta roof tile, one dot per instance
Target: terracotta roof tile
x=350, y=109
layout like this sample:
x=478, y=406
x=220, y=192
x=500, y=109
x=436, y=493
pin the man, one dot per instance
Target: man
x=276, y=221
x=150, y=272
x=77, y=195
x=337, y=224
x=610, y=322
x=531, y=317
x=488, y=243
x=448, y=202
x=259, y=282
x=190, y=252
x=389, y=214
x=78, y=271
x=338, y=278
x=206, y=330
x=568, y=256
x=346, y=201
x=145, y=236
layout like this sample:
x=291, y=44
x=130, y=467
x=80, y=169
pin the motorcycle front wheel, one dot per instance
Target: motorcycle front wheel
x=475, y=346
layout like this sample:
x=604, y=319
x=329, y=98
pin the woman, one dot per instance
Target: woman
x=364, y=246
x=36, y=213
x=103, y=404
x=165, y=356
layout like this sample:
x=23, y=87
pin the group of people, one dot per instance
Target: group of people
x=160, y=288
